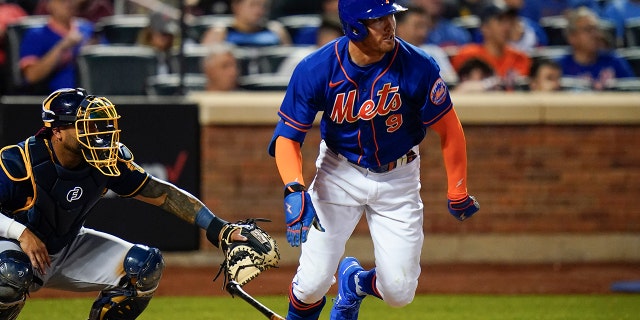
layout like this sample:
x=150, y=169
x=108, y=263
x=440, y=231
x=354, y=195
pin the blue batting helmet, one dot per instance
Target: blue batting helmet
x=352, y=12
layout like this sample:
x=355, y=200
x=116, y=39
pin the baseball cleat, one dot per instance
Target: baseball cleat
x=346, y=305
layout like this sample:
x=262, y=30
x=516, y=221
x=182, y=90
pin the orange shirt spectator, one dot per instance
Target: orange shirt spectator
x=509, y=64
x=510, y=59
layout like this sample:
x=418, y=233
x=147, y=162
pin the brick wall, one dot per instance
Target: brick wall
x=537, y=178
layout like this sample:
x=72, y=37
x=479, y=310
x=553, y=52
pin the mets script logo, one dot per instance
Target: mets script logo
x=438, y=92
x=74, y=194
x=344, y=110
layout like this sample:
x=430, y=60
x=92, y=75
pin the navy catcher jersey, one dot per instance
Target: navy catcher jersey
x=54, y=201
x=372, y=115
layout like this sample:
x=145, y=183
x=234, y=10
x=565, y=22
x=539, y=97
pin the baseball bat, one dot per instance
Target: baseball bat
x=235, y=289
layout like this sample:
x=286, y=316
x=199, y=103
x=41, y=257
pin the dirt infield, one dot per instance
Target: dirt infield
x=453, y=279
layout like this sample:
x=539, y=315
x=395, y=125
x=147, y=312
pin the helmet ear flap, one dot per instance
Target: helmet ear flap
x=355, y=30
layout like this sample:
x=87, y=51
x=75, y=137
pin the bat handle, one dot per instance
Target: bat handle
x=235, y=289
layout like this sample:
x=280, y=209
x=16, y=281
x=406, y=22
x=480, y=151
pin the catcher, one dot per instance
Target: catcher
x=48, y=185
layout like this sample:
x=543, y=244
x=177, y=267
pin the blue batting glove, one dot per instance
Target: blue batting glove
x=299, y=213
x=464, y=208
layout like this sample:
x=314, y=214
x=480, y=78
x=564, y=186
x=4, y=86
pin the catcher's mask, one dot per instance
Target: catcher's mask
x=96, y=123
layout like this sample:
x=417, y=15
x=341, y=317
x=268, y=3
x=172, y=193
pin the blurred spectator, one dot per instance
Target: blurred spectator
x=545, y=75
x=330, y=28
x=587, y=60
x=442, y=32
x=477, y=76
x=307, y=35
x=618, y=11
x=250, y=27
x=537, y=9
x=9, y=13
x=510, y=64
x=48, y=53
x=526, y=34
x=221, y=68
x=162, y=35
x=91, y=10
x=412, y=26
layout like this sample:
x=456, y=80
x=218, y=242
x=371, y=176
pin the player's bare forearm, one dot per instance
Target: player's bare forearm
x=170, y=198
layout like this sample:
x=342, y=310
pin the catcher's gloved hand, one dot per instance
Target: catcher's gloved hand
x=463, y=208
x=245, y=260
x=299, y=213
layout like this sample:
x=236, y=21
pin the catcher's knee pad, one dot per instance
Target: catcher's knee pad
x=16, y=275
x=143, y=267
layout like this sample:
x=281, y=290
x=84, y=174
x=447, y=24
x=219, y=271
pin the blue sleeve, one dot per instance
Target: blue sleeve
x=299, y=106
x=31, y=44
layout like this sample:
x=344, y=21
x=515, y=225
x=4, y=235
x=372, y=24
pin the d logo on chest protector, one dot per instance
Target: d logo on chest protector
x=74, y=194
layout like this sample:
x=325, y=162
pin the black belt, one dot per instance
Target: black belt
x=405, y=159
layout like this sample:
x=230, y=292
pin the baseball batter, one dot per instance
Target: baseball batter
x=48, y=185
x=378, y=95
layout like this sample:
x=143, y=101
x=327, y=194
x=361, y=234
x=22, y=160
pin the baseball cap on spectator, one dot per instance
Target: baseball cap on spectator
x=163, y=23
x=494, y=10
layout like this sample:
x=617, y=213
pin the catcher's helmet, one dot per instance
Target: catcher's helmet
x=96, y=123
x=352, y=12
x=61, y=107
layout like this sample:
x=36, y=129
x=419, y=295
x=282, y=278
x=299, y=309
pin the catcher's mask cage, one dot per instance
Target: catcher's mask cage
x=353, y=12
x=96, y=123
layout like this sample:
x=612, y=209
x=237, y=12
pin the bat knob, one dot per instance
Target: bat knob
x=232, y=287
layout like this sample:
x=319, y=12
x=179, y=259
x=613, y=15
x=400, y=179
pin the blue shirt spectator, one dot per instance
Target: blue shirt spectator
x=587, y=60
x=442, y=31
x=49, y=53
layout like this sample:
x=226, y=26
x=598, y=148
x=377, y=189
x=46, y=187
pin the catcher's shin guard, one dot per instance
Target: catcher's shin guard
x=16, y=275
x=11, y=310
x=143, y=267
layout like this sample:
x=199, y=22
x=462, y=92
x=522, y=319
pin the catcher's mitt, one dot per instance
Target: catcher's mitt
x=245, y=260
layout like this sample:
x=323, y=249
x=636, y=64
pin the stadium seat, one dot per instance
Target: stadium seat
x=264, y=82
x=169, y=84
x=193, y=56
x=121, y=29
x=554, y=27
x=627, y=85
x=632, y=32
x=575, y=84
x=199, y=26
x=632, y=55
x=116, y=70
x=14, y=34
x=550, y=52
